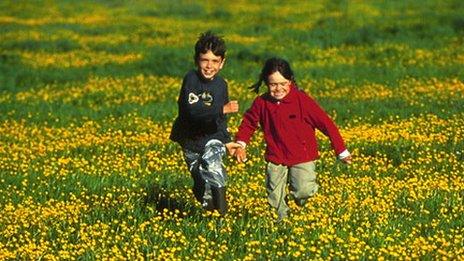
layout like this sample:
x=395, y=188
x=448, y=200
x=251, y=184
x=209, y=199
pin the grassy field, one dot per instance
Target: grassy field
x=88, y=94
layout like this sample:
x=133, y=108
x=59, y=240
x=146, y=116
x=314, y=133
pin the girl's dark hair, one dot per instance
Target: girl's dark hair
x=209, y=41
x=271, y=66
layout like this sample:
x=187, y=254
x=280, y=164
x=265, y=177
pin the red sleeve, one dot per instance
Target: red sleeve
x=321, y=121
x=250, y=122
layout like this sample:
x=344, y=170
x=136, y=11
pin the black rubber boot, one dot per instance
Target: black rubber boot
x=208, y=205
x=219, y=199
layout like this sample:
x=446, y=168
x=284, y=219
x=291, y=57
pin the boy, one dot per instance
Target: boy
x=201, y=125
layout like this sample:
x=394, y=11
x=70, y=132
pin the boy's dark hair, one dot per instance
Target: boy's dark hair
x=271, y=66
x=208, y=41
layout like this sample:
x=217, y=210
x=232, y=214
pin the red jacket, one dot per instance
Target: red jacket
x=289, y=127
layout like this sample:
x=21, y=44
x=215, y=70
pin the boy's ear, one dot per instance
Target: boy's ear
x=222, y=63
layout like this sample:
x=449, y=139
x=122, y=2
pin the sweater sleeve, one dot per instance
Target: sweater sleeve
x=250, y=123
x=321, y=121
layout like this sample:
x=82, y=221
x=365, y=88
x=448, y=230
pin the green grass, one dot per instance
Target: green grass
x=94, y=176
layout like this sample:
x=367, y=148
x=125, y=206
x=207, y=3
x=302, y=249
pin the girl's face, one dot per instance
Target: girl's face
x=278, y=86
x=209, y=64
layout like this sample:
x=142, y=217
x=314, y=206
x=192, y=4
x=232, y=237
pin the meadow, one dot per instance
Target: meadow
x=88, y=94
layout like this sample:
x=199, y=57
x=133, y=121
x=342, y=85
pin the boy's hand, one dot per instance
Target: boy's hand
x=230, y=107
x=240, y=154
x=232, y=147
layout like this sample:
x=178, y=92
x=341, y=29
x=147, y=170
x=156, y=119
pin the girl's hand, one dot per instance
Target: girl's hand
x=232, y=147
x=346, y=160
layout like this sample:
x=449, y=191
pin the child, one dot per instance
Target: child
x=201, y=125
x=288, y=118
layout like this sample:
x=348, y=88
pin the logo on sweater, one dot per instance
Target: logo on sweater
x=193, y=98
x=206, y=97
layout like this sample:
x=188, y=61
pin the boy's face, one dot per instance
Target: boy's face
x=209, y=64
x=278, y=85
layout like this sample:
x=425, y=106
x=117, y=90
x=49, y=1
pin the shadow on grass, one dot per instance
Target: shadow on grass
x=160, y=198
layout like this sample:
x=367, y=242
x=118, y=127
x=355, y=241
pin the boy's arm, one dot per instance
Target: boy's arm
x=229, y=106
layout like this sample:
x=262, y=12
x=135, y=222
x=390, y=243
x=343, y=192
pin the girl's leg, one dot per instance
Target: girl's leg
x=276, y=184
x=303, y=182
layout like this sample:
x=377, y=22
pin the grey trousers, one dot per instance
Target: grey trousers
x=207, y=170
x=302, y=184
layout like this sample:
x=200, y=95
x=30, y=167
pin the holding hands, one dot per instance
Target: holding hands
x=241, y=155
x=237, y=150
x=234, y=148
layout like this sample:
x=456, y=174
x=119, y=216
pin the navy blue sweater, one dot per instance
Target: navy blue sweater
x=201, y=116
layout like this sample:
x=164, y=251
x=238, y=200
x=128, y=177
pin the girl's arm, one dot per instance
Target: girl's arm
x=250, y=123
x=321, y=121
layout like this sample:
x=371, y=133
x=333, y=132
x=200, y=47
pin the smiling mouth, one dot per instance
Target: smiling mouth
x=278, y=95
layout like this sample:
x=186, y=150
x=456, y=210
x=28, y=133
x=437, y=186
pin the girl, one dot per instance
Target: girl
x=288, y=118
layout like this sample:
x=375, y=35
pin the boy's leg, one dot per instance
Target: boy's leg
x=211, y=168
x=303, y=182
x=219, y=199
x=214, y=173
x=201, y=190
x=276, y=185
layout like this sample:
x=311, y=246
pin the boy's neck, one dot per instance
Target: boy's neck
x=200, y=75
